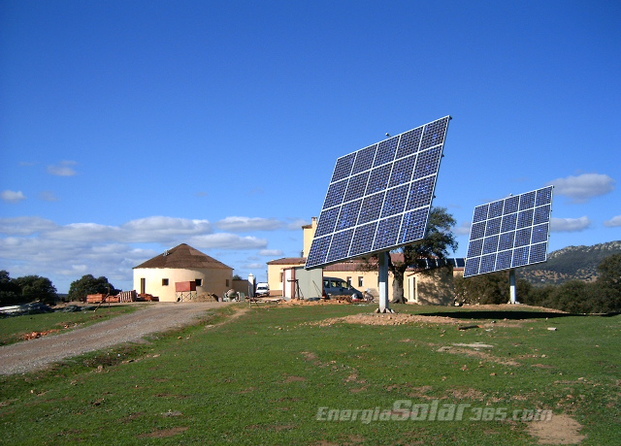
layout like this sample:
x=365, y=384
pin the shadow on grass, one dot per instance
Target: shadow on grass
x=499, y=315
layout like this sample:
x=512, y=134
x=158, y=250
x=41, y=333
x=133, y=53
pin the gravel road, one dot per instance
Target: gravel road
x=36, y=354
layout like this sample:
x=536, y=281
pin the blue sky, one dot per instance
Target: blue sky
x=128, y=127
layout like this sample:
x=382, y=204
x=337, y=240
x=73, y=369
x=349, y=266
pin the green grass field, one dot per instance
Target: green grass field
x=14, y=329
x=286, y=376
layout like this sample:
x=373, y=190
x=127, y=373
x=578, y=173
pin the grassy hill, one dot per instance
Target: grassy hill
x=573, y=262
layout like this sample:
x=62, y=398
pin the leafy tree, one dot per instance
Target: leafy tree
x=26, y=289
x=436, y=244
x=9, y=290
x=574, y=296
x=88, y=284
x=532, y=295
x=610, y=272
x=608, y=282
x=36, y=288
x=490, y=288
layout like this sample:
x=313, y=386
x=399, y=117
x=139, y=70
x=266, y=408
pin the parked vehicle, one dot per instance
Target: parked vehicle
x=262, y=289
x=333, y=286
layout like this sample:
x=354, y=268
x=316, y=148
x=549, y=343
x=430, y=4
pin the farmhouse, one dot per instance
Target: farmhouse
x=431, y=284
x=179, y=270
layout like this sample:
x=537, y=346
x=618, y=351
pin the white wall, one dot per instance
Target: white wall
x=217, y=281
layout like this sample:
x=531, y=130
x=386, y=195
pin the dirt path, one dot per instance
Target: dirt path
x=36, y=354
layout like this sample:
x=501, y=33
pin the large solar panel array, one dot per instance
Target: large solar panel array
x=380, y=196
x=510, y=233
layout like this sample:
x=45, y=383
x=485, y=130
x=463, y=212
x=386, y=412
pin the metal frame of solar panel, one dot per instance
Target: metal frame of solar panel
x=510, y=233
x=379, y=197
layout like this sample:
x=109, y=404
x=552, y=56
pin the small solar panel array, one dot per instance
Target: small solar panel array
x=379, y=197
x=510, y=233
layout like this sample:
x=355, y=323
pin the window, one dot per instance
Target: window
x=227, y=282
x=164, y=282
x=348, y=280
x=360, y=281
x=199, y=282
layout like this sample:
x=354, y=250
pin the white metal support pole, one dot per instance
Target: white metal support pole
x=512, y=287
x=383, y=283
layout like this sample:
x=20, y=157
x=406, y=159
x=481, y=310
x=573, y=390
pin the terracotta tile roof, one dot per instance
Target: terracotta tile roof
x=288, y=261
x=183, y=256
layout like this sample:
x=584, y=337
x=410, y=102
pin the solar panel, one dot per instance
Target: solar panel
x=510, y=233
x=379, y=197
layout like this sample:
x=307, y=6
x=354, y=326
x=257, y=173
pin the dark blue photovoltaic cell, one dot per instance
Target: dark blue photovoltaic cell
x=525, y=218
x=427, y=162
x=542, y=214
x=506, y=241
x=520, y=256
x=421, y=193
x=493, y=226
x=480, y=213
x=475, y=248
x=364, y=159
x=402, y=171
x=387, y=232
x=538, y=253
x=477, y=230
x=380, y=196
x=540, y=233
x=363, y=239
x=503, y=260
x=340, y=245
x=371, y=208
x=343, y=167
x=488, y=262
x=349, y=215
x=434, y=134
x=522, y=236
x=512, y=204
x=490, y=244
x=544, y=196
x=515, y=230
x=386, y=151
x=495, y=209
x=508, y=222
x=414, y=225
x=394, y=203
x=335, y=193
x=527, y=200
x=409, y=142
x=472, y=266
x=378, y=179
x=319, y=250
x=356, y=186
x=327, y=222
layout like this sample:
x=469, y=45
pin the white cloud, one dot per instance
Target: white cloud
x=226, y=241
x=247, y=224
x=25, y=225
x=11, y=196
x=569, y=224
x=583, y=187
x=48, y=196
x=163, y=229
x=296, y=224
x=463, y=229
x=613, y=222
x=63, y=169
x=271, y=252
x=64, y=253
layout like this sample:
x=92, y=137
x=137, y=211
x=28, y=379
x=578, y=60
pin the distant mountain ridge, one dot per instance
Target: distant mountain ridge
x=570, y=263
